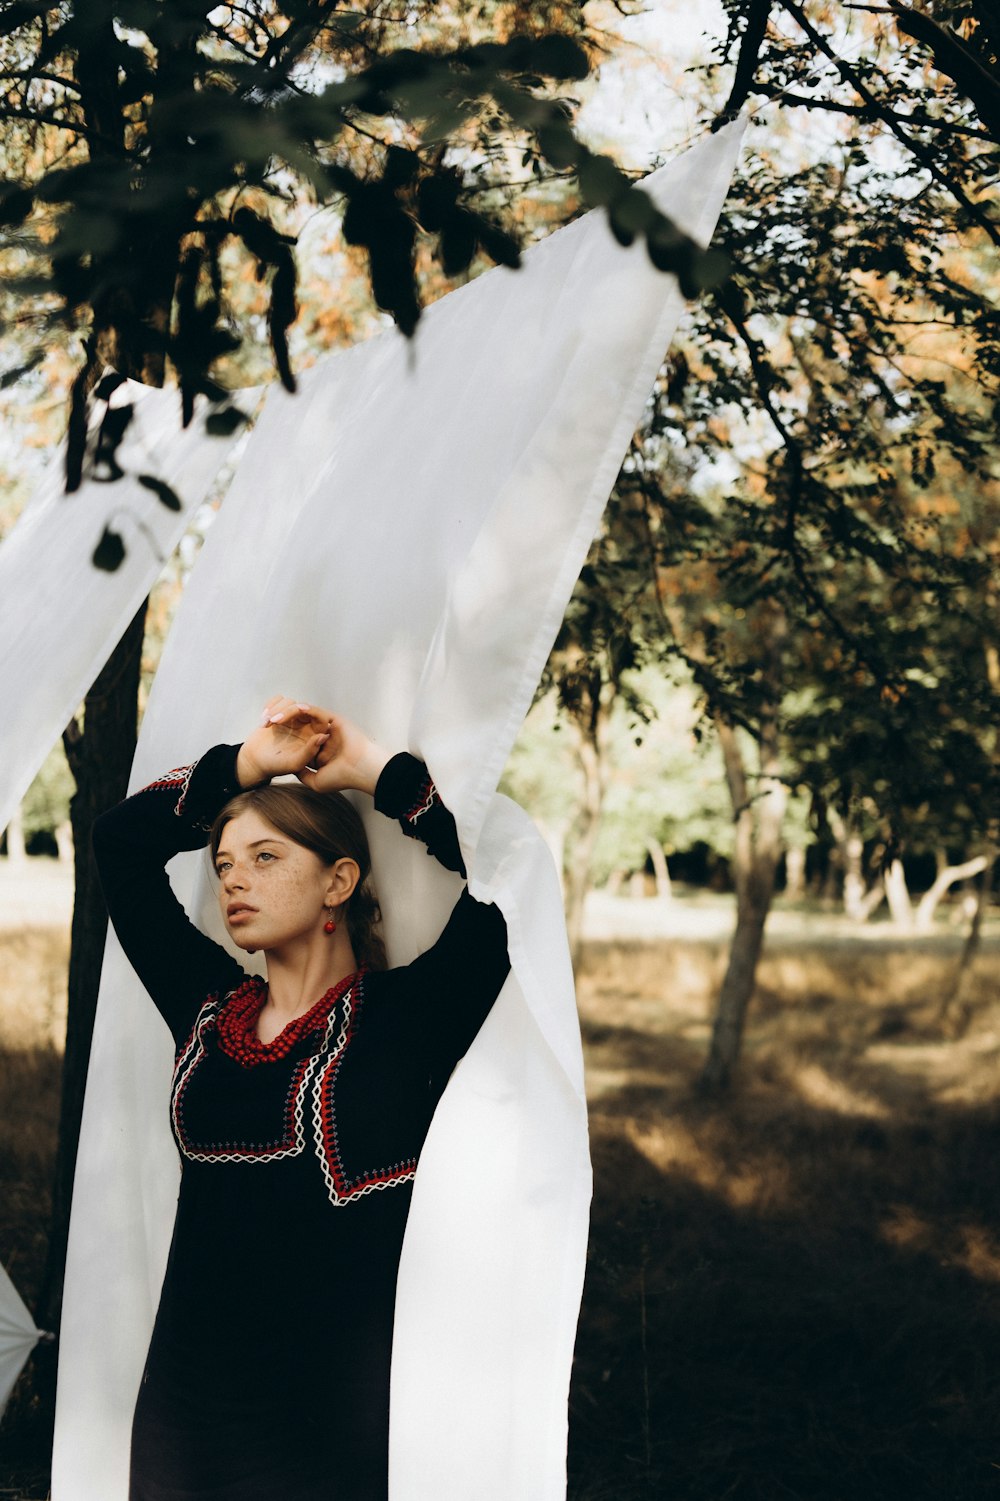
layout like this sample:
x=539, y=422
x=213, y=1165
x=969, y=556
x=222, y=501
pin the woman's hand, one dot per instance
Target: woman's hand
x=288, y=738
x=346, y=759
x=324, y=750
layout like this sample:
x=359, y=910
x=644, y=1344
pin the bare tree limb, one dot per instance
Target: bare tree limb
x=758, y=15
x=864, y=112
x=916, y=148
x=954, y=59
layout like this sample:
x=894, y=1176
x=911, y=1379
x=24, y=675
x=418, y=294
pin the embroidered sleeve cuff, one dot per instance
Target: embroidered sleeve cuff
x=405, y=792
x=405, y=789
x=203, y=787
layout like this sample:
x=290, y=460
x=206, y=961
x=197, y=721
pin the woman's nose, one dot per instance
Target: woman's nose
x=233, y=880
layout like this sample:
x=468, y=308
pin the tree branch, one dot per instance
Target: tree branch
x=42, y=117
x=758, y=15
x=916, y=149
x=864, y=111
x=30, y=75
x=953, y=59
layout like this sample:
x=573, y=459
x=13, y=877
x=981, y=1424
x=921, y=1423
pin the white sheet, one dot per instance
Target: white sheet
x=60, y=619
x=399, y=543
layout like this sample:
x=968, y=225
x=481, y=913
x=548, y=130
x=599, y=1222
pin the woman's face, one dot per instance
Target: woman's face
x=272, y=891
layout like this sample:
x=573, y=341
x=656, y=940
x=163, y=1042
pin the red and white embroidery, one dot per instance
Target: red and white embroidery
x=314, y=1080
x=180, y=778
x=339, y=1186
x=426, y=800
x=293, y=1138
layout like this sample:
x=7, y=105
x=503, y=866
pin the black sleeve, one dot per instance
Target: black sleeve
x=176, y=963
x=405, y=792
x=455, y=983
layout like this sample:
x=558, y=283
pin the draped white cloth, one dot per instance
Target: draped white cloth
x=399, y=543
x=18, y=1336
x=60, y=620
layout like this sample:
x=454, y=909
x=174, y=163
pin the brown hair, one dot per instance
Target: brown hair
x=330, y=826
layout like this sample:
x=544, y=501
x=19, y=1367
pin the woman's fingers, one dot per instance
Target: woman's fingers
x=289, y=713
x=314, y=763
x=273, y=707
x=312, y=750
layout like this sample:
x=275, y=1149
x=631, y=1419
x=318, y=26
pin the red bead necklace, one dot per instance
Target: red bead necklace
x=237, y=1022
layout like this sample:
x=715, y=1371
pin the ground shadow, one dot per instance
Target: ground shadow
x=791, y=1293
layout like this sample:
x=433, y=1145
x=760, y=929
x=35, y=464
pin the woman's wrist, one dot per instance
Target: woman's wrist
x=248, y=773
x=367, y=770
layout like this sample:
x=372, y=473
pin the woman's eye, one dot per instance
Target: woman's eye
x=222, y=867
x=265, y=855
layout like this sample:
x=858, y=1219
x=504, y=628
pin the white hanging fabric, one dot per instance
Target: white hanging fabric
x=18, y=1336
x=60, y=618
x=399, y=543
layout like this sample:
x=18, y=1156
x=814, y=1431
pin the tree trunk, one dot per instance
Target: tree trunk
x=795, y=874
x=555, y=838
x=661, y=870
x=871, y=901
x=955, y=1013
x=755, y=863
x=16, y=852
x=582, y=845
x=100, y=757
x=129, y=328
x=898, y=895
x=734, y=997
x=64, y=842
x=946, y=878
x=850, y=853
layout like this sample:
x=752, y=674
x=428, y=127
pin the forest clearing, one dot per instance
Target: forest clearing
x=791, y=1292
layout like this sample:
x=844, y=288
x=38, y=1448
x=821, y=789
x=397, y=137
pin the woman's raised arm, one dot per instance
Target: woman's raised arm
x=176, y=963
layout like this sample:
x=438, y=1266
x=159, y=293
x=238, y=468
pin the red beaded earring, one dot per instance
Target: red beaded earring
x=329, y=926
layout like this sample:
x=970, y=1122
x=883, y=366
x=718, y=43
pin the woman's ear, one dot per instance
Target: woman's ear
x=344, y=877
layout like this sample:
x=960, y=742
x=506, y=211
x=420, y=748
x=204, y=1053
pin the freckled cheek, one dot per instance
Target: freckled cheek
x=286, y=894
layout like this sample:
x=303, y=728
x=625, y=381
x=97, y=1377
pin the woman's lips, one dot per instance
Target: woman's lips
x=234, y=914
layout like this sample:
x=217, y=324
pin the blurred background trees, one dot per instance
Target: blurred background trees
x=809, y=517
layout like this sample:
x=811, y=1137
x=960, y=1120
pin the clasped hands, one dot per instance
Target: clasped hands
x=325, y=751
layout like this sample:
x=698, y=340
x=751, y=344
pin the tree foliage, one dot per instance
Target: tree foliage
x=819, y=461
x=184, y=129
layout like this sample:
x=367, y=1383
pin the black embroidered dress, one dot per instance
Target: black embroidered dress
x=267, y=1377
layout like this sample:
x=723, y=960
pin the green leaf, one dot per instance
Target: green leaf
x=458, y=242
x=559, y=146
x=710, y=269
x=348, y=20
x=633, y=212
x=559, y=57
x=499, y=245
x=15, y=203
x=223, y=423
x=601, y=182
x=109, y=554
x=162, y=491
x=108, y=385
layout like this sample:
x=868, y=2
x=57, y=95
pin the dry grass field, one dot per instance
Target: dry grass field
x=791, y=1296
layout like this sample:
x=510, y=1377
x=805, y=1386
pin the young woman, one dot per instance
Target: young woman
x=299, y=1105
